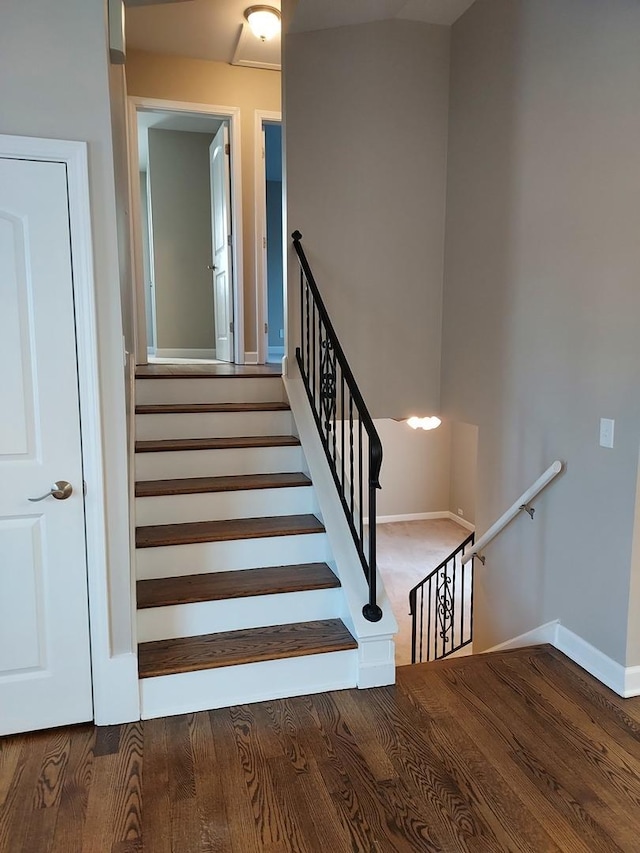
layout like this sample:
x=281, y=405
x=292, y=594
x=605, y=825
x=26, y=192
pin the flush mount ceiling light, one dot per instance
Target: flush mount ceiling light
x=264, y=21
x=423, y=423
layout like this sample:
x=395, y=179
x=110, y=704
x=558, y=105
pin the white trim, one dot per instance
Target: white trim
x=260, y=205
x=423, y=516
x=516, y=507
x=185, y=353
x=595, y=662
x=135, y=104
x=632, y=682
x=461, y=521
x=625, y=681
x=115, y=677
x=346, y=563
x=251, y=358
x=204, y=689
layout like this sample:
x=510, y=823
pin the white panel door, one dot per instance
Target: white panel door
x=45, y=675
x=221, y=238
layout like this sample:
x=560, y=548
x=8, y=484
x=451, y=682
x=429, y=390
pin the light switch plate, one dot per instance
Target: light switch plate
x=606, y=432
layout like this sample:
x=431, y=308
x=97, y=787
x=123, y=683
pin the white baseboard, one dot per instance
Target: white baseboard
x=251, y=358
x=184, y=353
x=423, y=516
x=462, y=522
x=625, y=681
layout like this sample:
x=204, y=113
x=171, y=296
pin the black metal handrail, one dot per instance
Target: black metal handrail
x=441, y=607
x=355, y=457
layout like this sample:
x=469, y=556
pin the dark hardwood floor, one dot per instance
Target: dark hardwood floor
x=520, y=751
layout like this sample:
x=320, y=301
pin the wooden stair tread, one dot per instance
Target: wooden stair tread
x=190, y=532
x=209, y=408
x=230, y=648
x=159, y=445
x=208, y=371
x=231, y=483
x=163, y=592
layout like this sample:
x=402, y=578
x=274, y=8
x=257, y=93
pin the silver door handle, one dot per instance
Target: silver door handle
x=212, y=267
x=61, y=490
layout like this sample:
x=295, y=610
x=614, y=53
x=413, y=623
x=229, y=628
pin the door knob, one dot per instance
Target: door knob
x=61, y=490
x=212, y=267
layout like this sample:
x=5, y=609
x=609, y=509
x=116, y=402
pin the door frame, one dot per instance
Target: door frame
x=74, y=156
x=232, y=115
x=260, y=205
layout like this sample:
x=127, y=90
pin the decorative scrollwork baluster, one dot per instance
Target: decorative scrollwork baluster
x=444, y=606
x=327, y=383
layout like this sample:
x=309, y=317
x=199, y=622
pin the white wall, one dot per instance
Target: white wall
x=54, y=82
x=540, y=336
x=365, y=127
x=181, y=220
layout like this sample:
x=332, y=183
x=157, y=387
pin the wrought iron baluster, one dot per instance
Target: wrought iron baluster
x=351, y=453
x=360, y=505
x=320, y=356
x=307, y=362
x=342, y=414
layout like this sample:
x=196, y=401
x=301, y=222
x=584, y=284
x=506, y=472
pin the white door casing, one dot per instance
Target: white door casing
x=222, y=242
x=231, y=115
x=45, y=667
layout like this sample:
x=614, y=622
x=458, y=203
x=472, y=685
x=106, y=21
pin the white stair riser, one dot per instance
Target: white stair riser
x=249, y=390
x=218, y=506
x=218, y=463
x=208, y=617
x=201, y=557
x=212, y=425
x=253, y=682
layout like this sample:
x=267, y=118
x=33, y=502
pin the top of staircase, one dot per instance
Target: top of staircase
x=199, y=371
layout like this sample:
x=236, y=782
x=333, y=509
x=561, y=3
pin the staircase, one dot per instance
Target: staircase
x=236, y=600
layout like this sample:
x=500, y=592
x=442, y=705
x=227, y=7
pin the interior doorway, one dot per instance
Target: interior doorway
x=186, y=232
x=270, y=233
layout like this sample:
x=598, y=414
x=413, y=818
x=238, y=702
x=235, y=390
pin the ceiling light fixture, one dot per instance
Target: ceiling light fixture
x=264, y=21
x=423, y=423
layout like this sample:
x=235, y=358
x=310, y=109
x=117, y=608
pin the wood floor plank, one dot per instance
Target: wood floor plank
x=166, y=445
x=235, y=482
x=210, y=802
x=517, y=753
x=158, y=535
x=220, y=586
x=157, y=829
x=230, y=648
x=209, y=408
x=75, y=791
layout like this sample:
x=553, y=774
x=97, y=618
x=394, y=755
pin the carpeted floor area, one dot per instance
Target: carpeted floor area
x=407, y=551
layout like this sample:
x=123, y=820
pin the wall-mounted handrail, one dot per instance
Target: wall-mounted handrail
x=521, y=505
x=349, y=438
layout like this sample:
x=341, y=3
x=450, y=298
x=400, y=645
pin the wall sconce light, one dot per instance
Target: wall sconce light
x=423, y=423
x=264, y=21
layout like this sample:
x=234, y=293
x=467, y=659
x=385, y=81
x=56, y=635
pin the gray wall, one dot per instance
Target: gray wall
x=541, y=308
x=463, y=470
x=54, y=82
x=365, y=111
x=415, y=469
x=181, y=220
